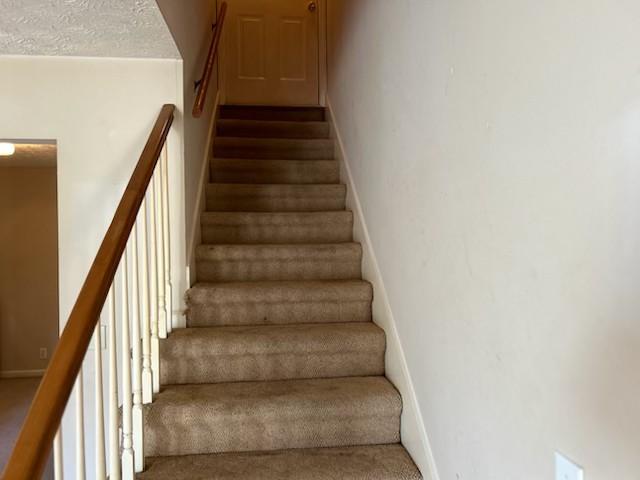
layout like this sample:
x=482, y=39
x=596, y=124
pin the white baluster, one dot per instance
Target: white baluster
x=162, y=310
x=80, y=457
x=138, y=439
x=167, y=241
x=101, y=466
x=114, y=444
x=147, y=377
x=153, y=274
x=127, y=405
x=57, y=457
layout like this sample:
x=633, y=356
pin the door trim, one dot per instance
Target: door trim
x=322, y=53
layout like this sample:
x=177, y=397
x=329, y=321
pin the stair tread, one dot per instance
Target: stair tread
x=319, y=261
x=279, y=302
x=266, y=112
x=276, y=218
x=272, y=128
x=267, y=161
x=377, y=462
x=270, y=123
x=306, y=290
x=275, y=197
x=276, y=227
x=276, y=171
x=231, y=253
x=272, y=415
x=281, y=188
x=270, y=141
x=271, y=352
x=274, y=148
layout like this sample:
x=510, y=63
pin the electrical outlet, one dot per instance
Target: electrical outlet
x=44, y=353
x=567, y=470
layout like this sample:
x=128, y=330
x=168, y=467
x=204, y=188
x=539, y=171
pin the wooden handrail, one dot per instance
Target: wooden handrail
x=34, y=443
x=203, y=84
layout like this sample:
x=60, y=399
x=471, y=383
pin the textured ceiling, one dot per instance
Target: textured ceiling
x=31, y=155
x=91, y=28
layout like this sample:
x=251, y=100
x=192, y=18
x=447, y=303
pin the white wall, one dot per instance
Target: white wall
x=495, y=150
x=101, y=112
x=191, y=29
x=28, y=268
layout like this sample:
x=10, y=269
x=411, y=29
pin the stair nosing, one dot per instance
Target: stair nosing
x=230, y=139
x=271, y=462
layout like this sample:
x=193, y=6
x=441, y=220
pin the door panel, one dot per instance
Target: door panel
x=271, y=53
x=251, y=52
x=293, y=50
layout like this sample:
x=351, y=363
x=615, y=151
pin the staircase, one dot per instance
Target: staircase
x=280, y=374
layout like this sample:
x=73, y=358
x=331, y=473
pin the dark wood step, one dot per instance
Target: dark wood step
x=295, y=114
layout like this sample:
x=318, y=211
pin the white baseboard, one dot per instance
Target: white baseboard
x=21, y=373
x=195, y=234
x=413, y=433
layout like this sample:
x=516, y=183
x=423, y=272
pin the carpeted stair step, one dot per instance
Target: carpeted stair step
x=369, y=462
x=273, y=303
x=275, y=198
x=252, y=416
x=271, y=129
x=271, y=352
x=274, y=148
x=276, y=228
x=251, y=263
x=287, y=114
x=248, y=171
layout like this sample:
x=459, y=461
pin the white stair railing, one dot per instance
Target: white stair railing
x=133, y=336
x=101, y=461
x=130, y=280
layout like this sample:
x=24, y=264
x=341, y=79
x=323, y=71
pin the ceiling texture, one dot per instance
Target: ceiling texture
x=85, y=28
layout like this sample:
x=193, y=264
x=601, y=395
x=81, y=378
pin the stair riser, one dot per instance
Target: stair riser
x=275, y=172
x=221, y=203
x=255, y=271
x=275, y=198
x=313, y=114
x=267, y=353
x=275, y=313
x=276, y=234
x=231, y=263
x=273, y=416
x=179, y=368
x=377, y=462
x=233, y=128
x=311, y=151
x=245, y=434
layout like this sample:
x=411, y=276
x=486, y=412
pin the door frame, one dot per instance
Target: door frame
x=322, y=57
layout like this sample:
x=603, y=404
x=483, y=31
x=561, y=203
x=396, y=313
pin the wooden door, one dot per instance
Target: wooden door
x=271, y=52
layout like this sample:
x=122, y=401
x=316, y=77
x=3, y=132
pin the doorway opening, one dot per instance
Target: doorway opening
x=29, y=319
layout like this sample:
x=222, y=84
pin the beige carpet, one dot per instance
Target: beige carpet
x=280, y=374
x=15, y=399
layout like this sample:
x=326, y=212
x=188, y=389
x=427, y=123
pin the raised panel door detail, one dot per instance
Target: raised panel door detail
x=251, y=47
x=293, y=49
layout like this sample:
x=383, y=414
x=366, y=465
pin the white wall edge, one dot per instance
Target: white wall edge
x=178, y=240
x=86, y=57
x=195, y=234
x=322, y=53
x=413, y=432
x=21, y=373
